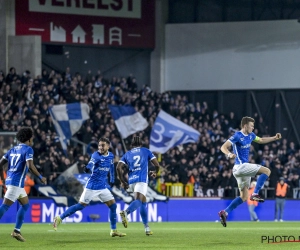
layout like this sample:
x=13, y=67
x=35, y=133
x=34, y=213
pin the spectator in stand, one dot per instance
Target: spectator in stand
x=29, y=103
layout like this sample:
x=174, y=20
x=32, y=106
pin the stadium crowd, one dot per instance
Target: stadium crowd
x=24, y=101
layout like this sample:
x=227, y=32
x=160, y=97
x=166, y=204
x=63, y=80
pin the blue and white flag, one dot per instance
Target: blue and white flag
x=127, y=119
x=68, y=119
x=168, y=132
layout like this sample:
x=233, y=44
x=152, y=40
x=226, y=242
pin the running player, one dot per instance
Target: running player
x=19, y=159
x=99, y=165
x=137, y=161
x=243, y=170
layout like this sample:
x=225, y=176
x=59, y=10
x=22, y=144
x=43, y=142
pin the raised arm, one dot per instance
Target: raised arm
x=266, y=140
x=35, y=171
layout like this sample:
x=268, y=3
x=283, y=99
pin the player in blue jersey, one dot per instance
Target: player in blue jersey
x=19, y=159
x=137, y=162
x=101, y=162
x=243, y=170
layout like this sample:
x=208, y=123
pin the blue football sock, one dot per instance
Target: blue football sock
x=20, y=216
x=71, y=210
x=133, y=206
x=144, y=213
x=3, y=209
x=260, y=183
x=234, y=204
x=113, y=216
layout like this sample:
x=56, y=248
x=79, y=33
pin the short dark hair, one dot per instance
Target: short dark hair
x=24, y=134
x=136, y=141
x=245, y=120
x=104, y=139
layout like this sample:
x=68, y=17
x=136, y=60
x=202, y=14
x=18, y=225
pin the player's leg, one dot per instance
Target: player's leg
x=144, y=215
x=264, y=175
x=84, y=200
x=124, y=213
x=9, y=198
x=140, y=191
x=243, y=184
x=5, y=206
x=107, y=198
x=24, y=202
x=11, y=195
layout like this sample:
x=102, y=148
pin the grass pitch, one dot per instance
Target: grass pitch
x=83, y=236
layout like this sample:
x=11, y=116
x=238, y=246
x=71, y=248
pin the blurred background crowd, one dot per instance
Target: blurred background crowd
x=24, y=101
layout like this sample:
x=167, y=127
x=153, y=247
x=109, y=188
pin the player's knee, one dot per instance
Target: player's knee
x=25, y=207
x=113, y=206
x=267, y=171
x=81, y=206
x=244, y=198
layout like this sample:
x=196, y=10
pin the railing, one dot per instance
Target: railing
x=84, y=146
x=177, y=189
x=181, y=190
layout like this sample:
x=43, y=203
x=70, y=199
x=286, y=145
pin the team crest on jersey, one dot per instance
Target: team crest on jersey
x=242, y=139
x=250, y=137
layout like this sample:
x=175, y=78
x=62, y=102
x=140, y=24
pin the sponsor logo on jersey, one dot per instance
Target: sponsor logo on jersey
x=104, y=169
x=246, y=146
x=133, y=177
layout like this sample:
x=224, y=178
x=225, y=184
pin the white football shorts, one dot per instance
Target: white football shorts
x=88, y=194
x=138, y=187
x=14, y=193
x=244, y=172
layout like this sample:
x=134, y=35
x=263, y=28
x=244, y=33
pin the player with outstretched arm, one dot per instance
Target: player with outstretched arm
x=101, y=162
x=243, y=170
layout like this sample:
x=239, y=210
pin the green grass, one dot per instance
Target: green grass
x=237, y=235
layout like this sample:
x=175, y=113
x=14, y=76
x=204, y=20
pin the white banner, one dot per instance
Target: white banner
x=108, y=8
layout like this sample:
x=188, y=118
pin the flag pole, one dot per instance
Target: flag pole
x=124, y=145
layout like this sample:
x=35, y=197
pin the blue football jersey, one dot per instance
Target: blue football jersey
x=17, y=167
x=137, y=161
x=241, y=146
x=100, y=165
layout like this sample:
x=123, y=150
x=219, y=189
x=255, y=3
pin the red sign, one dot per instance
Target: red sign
x=118, y=23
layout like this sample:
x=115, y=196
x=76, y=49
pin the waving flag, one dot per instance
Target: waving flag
x=168, y=132
x=127, y=119
x=68, y=119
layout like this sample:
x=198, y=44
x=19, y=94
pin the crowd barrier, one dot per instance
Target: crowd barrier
x=175, y=210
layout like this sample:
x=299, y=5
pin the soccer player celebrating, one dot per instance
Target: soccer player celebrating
x=243, y=170
x=100, y=163
x=19, y=159
x=137, y=161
